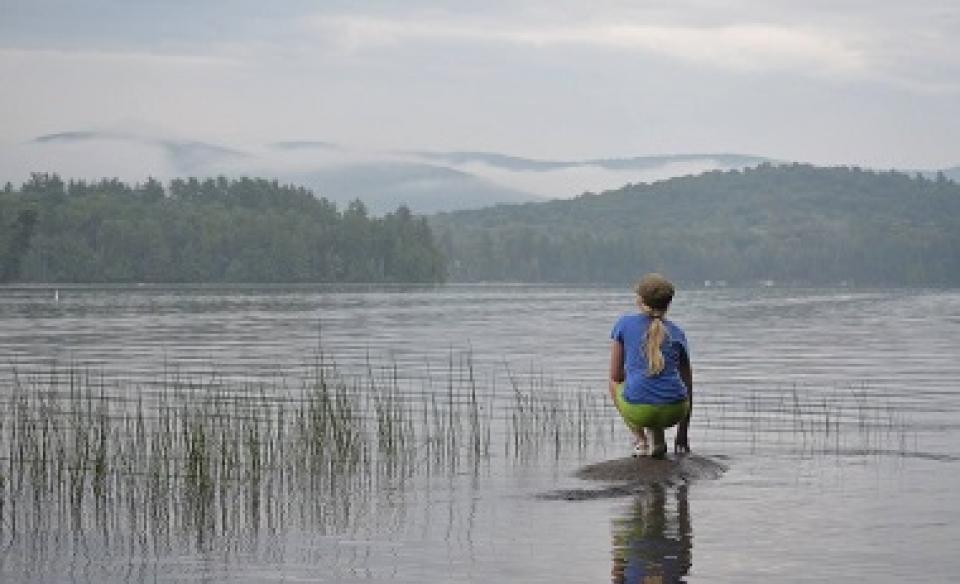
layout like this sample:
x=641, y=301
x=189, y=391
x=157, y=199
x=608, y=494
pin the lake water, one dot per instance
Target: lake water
x=836, y=411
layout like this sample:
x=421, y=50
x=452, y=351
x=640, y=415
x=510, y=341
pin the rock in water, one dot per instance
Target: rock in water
x=648, y=470
x=626, y=476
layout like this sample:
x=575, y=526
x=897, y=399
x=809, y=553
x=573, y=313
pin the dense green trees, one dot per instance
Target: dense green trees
x=791, y=223
x=214, y=230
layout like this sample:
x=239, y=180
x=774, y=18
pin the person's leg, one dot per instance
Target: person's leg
x=667, y=416
x=659, y=443
x=654, y=417
x=640, y=443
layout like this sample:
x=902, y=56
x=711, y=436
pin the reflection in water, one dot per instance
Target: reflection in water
x=654, y=543
x=273, y=484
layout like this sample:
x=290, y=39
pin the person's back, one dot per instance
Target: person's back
x=640, y=387
x=651, y=380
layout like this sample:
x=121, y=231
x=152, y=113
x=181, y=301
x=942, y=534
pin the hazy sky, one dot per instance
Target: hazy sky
x=841, y=81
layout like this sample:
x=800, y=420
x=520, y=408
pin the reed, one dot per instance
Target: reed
x=204, y=455
x=207, y=457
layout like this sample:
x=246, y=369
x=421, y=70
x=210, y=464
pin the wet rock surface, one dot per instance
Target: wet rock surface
x=646, y=469
x=626, y=476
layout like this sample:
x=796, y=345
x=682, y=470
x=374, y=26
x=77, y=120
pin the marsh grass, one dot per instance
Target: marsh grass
x=810, y=420
x=207, y=458
x=80, y=452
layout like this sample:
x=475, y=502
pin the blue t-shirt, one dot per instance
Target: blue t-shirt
x=664, y=388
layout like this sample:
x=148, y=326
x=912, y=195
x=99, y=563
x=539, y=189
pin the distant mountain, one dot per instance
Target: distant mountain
x=426, y=181
x=77, y=136
x=494, y=159
x=186, y=156
x=425, y=188
x=193, y=157
x=306, y=145
x=722, y=161
x=518, y=163
x=383, y=181
x=790, y=223
x=562, y=179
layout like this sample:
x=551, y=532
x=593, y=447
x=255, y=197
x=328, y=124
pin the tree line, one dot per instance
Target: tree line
x=790, y=224
x=213, y=230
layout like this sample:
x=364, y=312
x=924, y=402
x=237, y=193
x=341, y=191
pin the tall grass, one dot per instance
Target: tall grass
x=81, y=452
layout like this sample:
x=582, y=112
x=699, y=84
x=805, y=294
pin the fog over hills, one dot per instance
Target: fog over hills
x=634, y=163
x=426, y=181
x=383, y=185
x=187, y=156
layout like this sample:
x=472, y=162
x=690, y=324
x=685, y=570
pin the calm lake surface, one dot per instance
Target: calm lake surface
x=836, y=411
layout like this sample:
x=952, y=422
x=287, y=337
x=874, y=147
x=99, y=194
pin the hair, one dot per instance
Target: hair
x=655, y=294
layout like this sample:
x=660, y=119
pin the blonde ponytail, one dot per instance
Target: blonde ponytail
x=654, y=294
x=656, y=333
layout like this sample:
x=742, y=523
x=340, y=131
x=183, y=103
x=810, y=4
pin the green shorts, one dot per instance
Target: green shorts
x=650, y=415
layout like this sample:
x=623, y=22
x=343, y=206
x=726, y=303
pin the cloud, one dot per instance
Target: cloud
x=571, y=181
x=740, y=47
x=827, y=81
x=115, y=57
x=916, y=51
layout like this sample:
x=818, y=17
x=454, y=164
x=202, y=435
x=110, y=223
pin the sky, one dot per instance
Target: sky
x=873, y=83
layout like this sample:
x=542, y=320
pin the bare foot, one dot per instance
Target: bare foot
x=641, y=447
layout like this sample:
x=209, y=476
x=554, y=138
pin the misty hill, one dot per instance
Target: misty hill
x=424, y=181
x=792, y=223
x=185, y=156
x=425, y=188
x=427, y=182
x=382, y=180
x=519, y=163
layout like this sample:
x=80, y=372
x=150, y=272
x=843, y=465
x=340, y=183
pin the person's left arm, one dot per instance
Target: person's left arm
x=616, y=367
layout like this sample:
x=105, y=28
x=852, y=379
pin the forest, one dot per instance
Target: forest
x=790, y=224
x=212, y=230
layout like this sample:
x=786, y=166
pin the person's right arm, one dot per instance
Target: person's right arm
x=682, y=442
